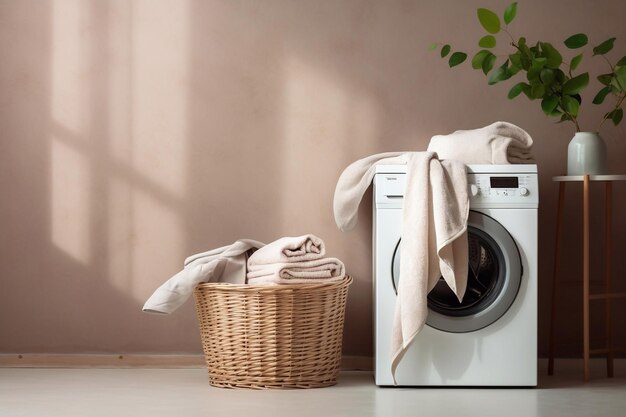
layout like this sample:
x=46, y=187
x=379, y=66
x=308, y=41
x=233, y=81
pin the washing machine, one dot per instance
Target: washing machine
x=490, y=338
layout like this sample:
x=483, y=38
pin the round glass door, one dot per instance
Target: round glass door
x=493, y=280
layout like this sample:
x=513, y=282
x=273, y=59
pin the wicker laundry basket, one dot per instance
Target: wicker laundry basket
x=278, y=336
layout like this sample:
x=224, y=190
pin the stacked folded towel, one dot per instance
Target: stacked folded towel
x=284, y=261
x=294, y=260
x=498, y=143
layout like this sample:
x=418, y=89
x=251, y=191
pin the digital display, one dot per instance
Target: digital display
x=504, y=182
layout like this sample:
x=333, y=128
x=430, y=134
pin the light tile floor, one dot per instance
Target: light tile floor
x=185, y=392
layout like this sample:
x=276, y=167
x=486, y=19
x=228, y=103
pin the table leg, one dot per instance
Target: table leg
x=586, y=277
x=559, y=221
x=608, y=249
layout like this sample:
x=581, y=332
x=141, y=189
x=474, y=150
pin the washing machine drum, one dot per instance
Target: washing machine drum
x=493, y=280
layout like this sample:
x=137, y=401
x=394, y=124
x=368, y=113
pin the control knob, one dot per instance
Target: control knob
x=523, y=191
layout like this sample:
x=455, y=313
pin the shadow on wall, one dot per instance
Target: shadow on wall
x=140, y=132
x=100, y=172
x=152, y=141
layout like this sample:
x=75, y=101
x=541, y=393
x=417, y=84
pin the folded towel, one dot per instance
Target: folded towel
x=434, y=224
x=289, y=249
x=225, y=264
x=297, y=259
x=313, y=271
x=498, y=143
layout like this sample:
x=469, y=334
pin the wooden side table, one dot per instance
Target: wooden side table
x=608, y=180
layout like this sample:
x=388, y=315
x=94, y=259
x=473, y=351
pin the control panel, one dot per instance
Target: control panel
x=486, y=190
x=503, y=190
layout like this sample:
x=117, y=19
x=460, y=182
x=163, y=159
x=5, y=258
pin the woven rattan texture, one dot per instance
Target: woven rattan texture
x=278, y=336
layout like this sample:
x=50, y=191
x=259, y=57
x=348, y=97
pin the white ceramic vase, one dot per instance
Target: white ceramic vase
x=586, y=154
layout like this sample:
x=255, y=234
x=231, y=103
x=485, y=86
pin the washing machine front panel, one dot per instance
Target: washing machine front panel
x=503, y=353
x=494, y=277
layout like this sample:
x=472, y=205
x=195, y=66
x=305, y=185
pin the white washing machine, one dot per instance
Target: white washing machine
x=490, y=339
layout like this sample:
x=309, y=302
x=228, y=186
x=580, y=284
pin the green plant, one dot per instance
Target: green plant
x=549, y=77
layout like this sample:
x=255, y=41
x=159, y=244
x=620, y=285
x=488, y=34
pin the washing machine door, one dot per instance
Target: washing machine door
x=493, y=281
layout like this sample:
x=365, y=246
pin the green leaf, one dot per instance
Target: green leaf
x=488, y=41
x=517, y=89
x=514, y=70
x=599, y=98
x=564, y=118
x=528, y=92
x=620, y=76
x=445, y=50
x=576, y=84
x=516, y=59
x=489, y=20
x=552, y=55
x=525, y=53
x=605, y=78
x=510, y=12
x=576, y=41
x=516, y=63
x=570, y=105
x=617, y=116
x=537, y=91
x=575, y=62
x=535, y=49
x=432, y=46
x=499, y=74
x=547, y=76
x=604, y=47
x=548, y=104
x=457, y=58
x=488, y=63
x=526, y=61
x=621, y=62
x=535, y=69
x=615, y=86
x=477, y=61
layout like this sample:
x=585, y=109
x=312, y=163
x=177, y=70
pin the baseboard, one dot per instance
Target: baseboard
x=41, y=360
x=348, y=362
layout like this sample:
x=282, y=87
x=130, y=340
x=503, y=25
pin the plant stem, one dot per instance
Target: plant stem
x=609, y=62
x=575, y=123
x=510, y=36
x=619, y=103
x=571, y=118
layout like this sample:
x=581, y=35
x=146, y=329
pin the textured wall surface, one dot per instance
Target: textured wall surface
x=135, y=133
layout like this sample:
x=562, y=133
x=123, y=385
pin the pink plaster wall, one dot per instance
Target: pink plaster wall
x=135, y=133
